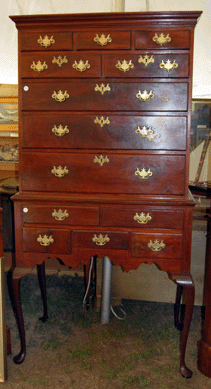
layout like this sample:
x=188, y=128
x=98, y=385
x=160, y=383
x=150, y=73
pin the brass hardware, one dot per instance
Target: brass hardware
x=143, y=174
x=102, y=88
x=144, y=96
x=59, y=60
x=142, y=218
x=147, y=133
x=102, y=121
x=146, y=60
x=81, y=66
x=60, y=131
x=59, y=171
x=124, y=66
x=161, y=39
x=39, y=66
x=101, y=160
x=100, y=240
x=60, y=215
x=156, y=246
x=102, y=40
x=168, y=65
x=25, y=210
x=60, y=96
x=46, y=42
x=45, y=240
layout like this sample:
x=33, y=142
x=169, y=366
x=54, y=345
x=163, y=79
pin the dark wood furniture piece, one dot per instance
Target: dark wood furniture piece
x=105, y=104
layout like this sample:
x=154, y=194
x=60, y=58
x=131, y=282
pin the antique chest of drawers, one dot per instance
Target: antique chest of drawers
x=104, y=140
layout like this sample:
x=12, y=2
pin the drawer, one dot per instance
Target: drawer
x=156, y=245
x=102, y=40
x=142, y=217
x=46, y=240
x=85, y=95
x=101, y=240
x=48, y=40
x=103, y=131
x=60, y=64
x=147, y=65
x=108, y=173
x=60, y=214
x=162, y=39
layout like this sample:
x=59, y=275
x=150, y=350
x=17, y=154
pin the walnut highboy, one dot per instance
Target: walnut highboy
x=104, y=143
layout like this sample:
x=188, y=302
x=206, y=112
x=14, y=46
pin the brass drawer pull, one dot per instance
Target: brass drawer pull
x=102, y=88
x=59, y=171
x=146, y=60
x=102, y=40
x=59, y=60
x=60, y=96
x=60, y=215
x=46, y=42
x=102, y=121
x=60, y=131
x=39, y=66
x=125, y=66
x=142, y=218
x=81, y=66
x=156, y=246
x=45, y=240
x=168, y=65
x=101, y=160
x=100, y=240
x=161, y=39
x=144, y=96
x=147, y=133
x=143, y=174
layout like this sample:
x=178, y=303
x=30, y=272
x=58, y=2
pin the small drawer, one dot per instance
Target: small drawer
x=46, y=240
x=156, y=245
x=101, y=240
x=162, y=39
x=103, y=40
x=61, y=214
x=45, y=40
x=142, y=217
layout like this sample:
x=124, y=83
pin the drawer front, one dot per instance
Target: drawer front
x=85, y=96
x=142, y=217
x=103, y=131
x=48, y=40
x=60, y=214
x=101, y=240
x=155, y=245
x=147, y=65
x=162, y=39
x=46, y=240
x=102, y=40
x=108, y=173
x=60, y=64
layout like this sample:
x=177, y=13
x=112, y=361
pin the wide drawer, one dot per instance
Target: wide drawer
x=45, y=40
x=162, y=39
x=46, y=240
x=147, y=65
x=101, y=240
x=60, y=64
x=60, y=214
x=142, y=217
x=156, y=245
x=88, y=95
x=103, y=131
x=108, y=173
x=102, y=40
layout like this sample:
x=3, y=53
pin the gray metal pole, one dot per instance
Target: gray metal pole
x=106, y=290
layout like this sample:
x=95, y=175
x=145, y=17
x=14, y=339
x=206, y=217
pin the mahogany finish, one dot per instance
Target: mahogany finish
x=104, y=148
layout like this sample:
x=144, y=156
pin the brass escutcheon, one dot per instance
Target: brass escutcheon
x=60, y=215
x=168, y=65
x=100, y=240
x=102, y=40
x=101, y=160
x=60, y=130
x=60, y=96
x=39, y=66
x=147, y=133
x=161, y=39
x=45, y=240
x=156, y=246
x=143, y=174
x=144, y=96
x=46, y=42
x=142, y=218
x=59, y=60
x=146, y=60
x=81, y=66
x=102, y=121
x=125, y=65
x=59, y=171
x=102, y=88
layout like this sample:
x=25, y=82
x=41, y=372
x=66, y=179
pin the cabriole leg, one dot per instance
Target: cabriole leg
x=42, y=283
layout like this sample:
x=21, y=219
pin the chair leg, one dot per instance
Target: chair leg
x=42, y=283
